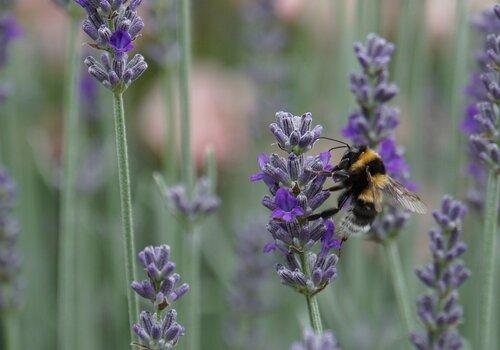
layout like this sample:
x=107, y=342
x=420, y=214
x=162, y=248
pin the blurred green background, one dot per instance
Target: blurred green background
x=230, y=111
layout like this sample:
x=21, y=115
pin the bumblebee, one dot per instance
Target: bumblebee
x=362, y=178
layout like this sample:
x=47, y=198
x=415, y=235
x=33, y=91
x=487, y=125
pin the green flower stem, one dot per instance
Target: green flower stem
x=191, y=265
x=190, y=244
x=11, y=331
x=184, y=16
x=459, y=75
x=126, y=206
x=487, y=272
x=312, y=301
x=211, y=167
x=67, y=225
x=399, y=284
x=169, y=160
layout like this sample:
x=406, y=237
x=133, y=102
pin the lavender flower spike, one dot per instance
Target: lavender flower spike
x=295, y=183
x=9, y=30
x=312, y=341
x=374, y=124
x=10, y=260
x=113, y=26
x=202, y=202
x=248, y=298
x=159, y=330
x=439, y=310
x=481, y=122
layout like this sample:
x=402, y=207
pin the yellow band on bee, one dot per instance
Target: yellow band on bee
x=365, y=158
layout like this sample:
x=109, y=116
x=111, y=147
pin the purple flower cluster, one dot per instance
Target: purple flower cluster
x=201, y=203
x=439, y=310
x=159, y=330
x=265, y=38
x=163, y=46
x=113, y=25
x=295, y=183
x=10, y=260
x=374, y=120
x=481, y=121
x=313, y=341
x=374, y=123
x=252, y=270
x=9, y=30
x=248, y=299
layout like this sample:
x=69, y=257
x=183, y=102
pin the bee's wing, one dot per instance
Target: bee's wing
x=401, y=195
x=376, y=194
x=350, y=225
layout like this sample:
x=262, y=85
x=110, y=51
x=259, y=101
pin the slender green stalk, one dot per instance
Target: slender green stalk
x=211, y=167
x=191, y=265
x=312, y=301
x=126, y=205
x=458, y=80
x=11, y=331
x=67, y=234
x=399, y=284
x=169, y=161
x=487, y=272
x=190, y=245
x=184, y=16
x=168, y=225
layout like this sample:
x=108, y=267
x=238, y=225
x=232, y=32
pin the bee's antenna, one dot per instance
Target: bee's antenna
x=337, y=147
x=335, y=140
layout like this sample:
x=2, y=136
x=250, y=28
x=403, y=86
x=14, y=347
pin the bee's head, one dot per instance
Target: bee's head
x=350, y=156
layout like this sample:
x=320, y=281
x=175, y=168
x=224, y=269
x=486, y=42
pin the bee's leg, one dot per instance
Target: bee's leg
x=328, y=213
x=344, y=239
x=341, y=174
x=335, y=188
x=344, y=196
x=325, y=214
x=322, y=173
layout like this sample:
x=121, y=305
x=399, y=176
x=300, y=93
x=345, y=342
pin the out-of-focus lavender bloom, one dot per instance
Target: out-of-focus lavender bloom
x=313, y=341
x=113, y=26
x=388, y=225
x=88, y=89
x=9, y=31
x=10, y=259
x=481, y=120
x=159, y=330
x=438, y=309
x=248, y=299
x=201, y=203
x=265, y=38
x=252, y=270
x=295, y=183
x=163, y=46
x=375, y=120
x=374, y=123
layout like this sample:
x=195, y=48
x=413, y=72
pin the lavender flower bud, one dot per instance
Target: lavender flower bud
x=439, y=310
x=202, y=202
x=127, y=25
x=293, y=133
